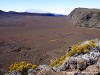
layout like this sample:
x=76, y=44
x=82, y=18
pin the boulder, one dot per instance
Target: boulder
x=77, y=63
x=63, y=67
x=92, y=70
x=91, y=57
x=98, y=63
x=81, y=63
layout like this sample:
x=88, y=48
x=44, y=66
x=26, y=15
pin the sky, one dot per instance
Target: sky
x=52, y=6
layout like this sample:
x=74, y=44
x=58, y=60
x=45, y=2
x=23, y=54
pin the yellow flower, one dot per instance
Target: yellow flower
x=22, y=63
x=34, y=66
x=13, y=67
x=29, y=65
x=86, y=51
x=20, y=68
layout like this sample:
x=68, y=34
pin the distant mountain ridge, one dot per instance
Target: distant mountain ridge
x=28, y=13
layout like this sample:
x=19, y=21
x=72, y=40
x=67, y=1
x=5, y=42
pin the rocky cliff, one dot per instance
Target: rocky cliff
x=85, y=17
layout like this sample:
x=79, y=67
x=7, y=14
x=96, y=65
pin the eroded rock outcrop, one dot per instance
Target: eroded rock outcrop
x=85, y=17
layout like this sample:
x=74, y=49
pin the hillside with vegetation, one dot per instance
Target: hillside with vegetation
x=81, y=58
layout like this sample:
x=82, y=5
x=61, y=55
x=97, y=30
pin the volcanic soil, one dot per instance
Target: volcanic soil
x=38, y=39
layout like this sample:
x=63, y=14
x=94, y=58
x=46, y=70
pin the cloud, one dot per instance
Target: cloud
x=36, y=10
x=65, y=11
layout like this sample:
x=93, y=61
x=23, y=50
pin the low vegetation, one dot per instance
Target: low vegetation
x=75, y=50
x=81, y=48
x=22, y=67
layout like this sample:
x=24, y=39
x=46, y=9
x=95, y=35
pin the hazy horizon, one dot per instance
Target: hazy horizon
x=51, y=6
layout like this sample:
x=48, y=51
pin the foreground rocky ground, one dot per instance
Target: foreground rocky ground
x=82, y=58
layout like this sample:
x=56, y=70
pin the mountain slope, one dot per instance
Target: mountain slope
x=85, y=17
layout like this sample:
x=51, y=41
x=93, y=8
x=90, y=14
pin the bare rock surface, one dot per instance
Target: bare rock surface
x=85, y=17
x=91, y=70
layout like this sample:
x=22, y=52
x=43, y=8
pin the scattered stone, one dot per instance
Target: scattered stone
x=54, y=69
x=2, y=72
x=40, y=67
x=31, y=71
x=14, y=73
x=2, y=43
x=31, y=74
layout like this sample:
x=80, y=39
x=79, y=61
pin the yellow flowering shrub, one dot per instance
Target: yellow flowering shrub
x=86, y=50
x=22, y=66
x=58, y=61
x=76, y=49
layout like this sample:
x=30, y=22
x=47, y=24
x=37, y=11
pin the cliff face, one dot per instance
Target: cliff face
x=85, y=17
